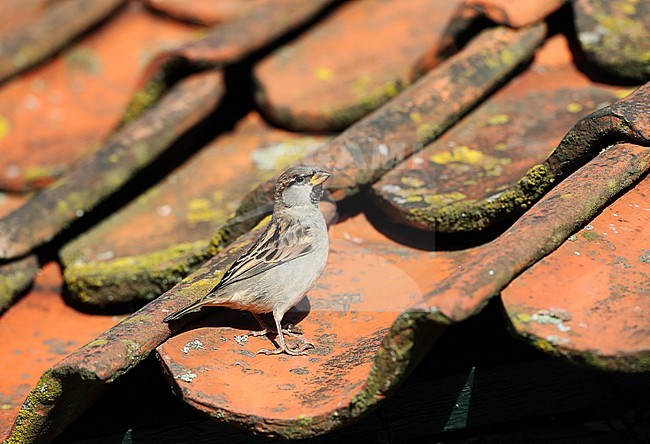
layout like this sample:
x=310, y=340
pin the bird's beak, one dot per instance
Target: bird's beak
x=319, y=178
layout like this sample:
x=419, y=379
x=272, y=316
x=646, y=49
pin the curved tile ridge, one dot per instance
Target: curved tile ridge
x=544, y=227
x=224, y=44
x=39, y=39
x=627, y=120
x=470, y=167
x=594, y=310
x=475, y=14
x=16, y=277
x=72, y=385
x=103, y=172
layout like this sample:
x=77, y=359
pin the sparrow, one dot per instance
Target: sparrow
x=284, y=262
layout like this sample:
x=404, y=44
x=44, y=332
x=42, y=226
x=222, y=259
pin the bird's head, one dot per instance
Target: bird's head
x=300, y=186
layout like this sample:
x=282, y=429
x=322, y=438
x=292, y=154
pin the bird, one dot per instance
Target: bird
x=283, y=264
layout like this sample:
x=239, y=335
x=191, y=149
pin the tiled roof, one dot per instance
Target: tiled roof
x=485, y=153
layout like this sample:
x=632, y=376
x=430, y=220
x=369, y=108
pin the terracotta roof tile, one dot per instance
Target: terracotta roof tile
x=357, y=59
x=61, y=111
x=161, y=149
x=614, y=37
x=594, y=308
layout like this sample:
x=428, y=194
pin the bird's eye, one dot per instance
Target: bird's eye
x=300, y=179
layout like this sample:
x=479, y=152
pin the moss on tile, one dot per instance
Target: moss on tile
x=16, y=277
x=143, y=99
x=134, y=278
x=615, y=37
x=367, y=101
x=46, y=392
x=590, y=235
x=472, y=215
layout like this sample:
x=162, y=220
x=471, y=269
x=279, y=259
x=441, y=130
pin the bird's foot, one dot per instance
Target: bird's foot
x=300, y=351
x=258, y=333
x=291, y=329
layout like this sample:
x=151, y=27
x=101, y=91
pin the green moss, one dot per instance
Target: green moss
x=471, y=215
x=427, y=131
x=367, y=101
x=636, y=363
x=84, y=59
x=99, y=342
x=46, y=392
x=590, y=235
x=9, y=285
x=305, y=421
x=142, y=277
x=142, y=100
x=14, y=279
x=441, y=200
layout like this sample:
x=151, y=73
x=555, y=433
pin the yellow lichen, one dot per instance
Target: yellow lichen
x=324, y=73
x=507, y=57
x=498, y=119
x=444, y=199
x=574, y=107
x=426, y=132
x=458, y=154
x=5, y=127
x=544, y=345
x=416, y=117
x=413, y=182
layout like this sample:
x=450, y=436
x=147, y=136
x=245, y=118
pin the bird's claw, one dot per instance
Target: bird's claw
x=300, y=351
x=291, y=329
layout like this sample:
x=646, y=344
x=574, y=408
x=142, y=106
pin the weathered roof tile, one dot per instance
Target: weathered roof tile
x=587, y=300
x=355, y=60
x=615, y=37
x=389, y=291
x=455, y=182
x=61, y=111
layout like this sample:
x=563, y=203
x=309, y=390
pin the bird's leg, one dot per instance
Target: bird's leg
x=283, y=346
x=289, y=330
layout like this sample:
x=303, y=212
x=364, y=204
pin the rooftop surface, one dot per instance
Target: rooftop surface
x=489, y=218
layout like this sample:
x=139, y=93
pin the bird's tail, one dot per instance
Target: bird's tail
x=196, y=306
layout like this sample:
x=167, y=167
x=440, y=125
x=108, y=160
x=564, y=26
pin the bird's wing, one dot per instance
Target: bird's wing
x=280, y=243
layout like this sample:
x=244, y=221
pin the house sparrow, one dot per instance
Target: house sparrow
x=284, y=262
